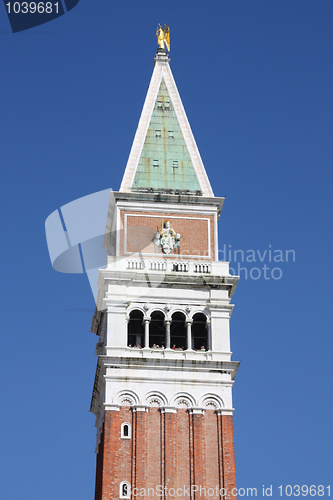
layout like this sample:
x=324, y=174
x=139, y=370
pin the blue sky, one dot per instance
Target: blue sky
x=255, y=78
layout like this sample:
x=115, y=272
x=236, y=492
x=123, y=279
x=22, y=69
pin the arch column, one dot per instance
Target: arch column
x=167, y=323
x=209, y=335
x=127, y=318
x=189, y=334
x=146, y=321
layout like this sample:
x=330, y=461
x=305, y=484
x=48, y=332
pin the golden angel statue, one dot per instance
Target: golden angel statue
x=163, y=37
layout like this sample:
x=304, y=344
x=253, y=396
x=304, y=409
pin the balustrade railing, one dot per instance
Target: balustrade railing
x=176, y=265
x=169, y=266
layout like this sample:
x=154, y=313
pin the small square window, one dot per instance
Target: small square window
x=171, y=134
x=175, y=164
x=155, y=163
x=158, y=133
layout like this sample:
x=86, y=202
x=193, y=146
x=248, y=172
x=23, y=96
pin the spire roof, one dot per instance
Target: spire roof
x=164, y=154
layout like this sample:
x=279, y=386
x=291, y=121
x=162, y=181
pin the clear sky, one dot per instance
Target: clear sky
x=255, y=77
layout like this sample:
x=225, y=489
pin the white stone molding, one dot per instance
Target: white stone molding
x=169, y=310
x=183, y=400
x=196, y=411
x=111, y=407
x=168, y=409
x=225, y=411
x=155, y=399
x=126, y=398
x=136, y=408
x=211, y=402
x=156, y=308
x=198, y=310
x=135, y=307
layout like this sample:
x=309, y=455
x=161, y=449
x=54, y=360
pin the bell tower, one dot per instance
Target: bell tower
x=163, y=387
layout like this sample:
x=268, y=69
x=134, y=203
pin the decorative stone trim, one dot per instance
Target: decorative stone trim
x=155, y=399
x=196, y=411
x=126, y=401
x=136, y=408
x=126, y=398
x=225, y=411
x=168, y=409
x=111, y=407
x=183, y=400
x=211, y=402
x=183, y=403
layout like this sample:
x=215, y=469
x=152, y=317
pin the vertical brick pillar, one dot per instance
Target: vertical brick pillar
x=110, y=486
x=228, y=455
x=154, y=439
x=169, y=416
x=198, y=450
x=220, y=451
x=140, y=447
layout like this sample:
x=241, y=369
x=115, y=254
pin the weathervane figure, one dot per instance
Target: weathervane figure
x=163, y=37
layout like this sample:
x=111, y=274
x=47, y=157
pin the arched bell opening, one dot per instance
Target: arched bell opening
x=157, y=330
x=199, y=332
x=178, y=331
x=135, y=329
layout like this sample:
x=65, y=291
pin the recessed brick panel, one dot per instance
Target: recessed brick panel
x=197, y=234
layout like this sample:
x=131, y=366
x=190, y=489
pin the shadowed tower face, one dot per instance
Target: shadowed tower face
x=163, y=387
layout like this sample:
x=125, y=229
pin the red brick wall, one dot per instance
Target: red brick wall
x=174, y=450
x=229, y=475
x=140, y=229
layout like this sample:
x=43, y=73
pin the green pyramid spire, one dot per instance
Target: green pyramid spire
x=165, y=162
